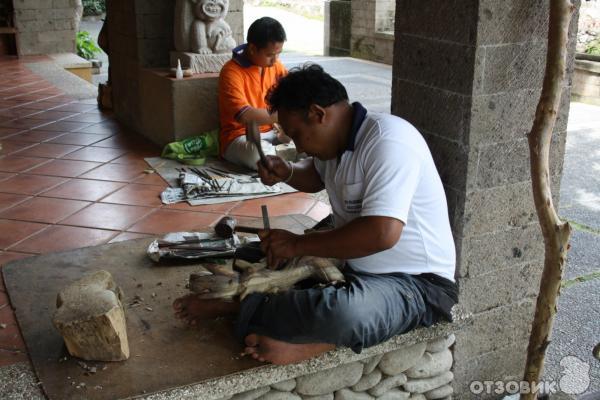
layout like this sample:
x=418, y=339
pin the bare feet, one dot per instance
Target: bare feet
x=191, y=309
x=264, y=348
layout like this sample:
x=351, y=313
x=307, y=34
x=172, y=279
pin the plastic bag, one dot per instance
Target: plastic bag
x=193, y=150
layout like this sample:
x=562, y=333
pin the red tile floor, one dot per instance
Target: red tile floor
x=72, y=176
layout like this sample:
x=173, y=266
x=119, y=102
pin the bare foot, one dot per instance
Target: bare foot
x=264, y=348
x=191, y=309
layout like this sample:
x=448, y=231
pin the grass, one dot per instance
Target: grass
x=582, y=227
x=584, y=278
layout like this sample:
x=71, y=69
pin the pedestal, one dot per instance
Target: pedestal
x=200, y=63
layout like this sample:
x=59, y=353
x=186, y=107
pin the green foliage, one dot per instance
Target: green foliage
x=86, y=46
x=593, y=47
x=94, y=7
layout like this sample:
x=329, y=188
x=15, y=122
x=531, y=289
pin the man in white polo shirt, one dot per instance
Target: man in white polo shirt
x=390, y=222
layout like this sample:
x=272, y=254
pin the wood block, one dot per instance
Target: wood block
x=91, y=318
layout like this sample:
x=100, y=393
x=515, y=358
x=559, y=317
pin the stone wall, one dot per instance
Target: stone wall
x=468, y=75
x=420, y=371
x=47, y=26
x=586, y=81
x=367, y=42
x=141, y=36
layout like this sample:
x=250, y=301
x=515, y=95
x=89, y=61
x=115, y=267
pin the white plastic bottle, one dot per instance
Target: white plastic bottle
x=178, y=71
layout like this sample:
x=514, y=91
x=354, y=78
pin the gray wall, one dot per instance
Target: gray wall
x=141, y=36
x=468, y=74
x=366, y=41
x=47, y=26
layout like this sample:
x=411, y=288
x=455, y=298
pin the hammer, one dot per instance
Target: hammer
x=227, y=225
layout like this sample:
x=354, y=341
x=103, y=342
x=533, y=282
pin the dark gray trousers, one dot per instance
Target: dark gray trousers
x=368, y=309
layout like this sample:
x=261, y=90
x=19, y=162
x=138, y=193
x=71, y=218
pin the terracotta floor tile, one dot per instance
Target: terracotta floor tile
x=41, y=105
x=59, y=237
x=115, y=172
x=10, y=199
x=67, y=168
x=222, y=208
x=88, y=117
x=137, y=195
x=49, y=150
x=10, y=146
x=6, y=132
x=134, y=158
x=100, y=129
x=319, y=211
x=43, y=209
x=12, y=357
x=151, y=179
x=121, y=237
x=121, y=142
x=84, y=189
x=23, y=123
x=17, y=112
x=30, y=184
x=77, y=107
x=5, y=175
x=277, y=205
x=18, y=164
x=12, y=232
x=83, y=139
x=107, y=216
x=65, y=126
x=8, y=256
x=163, y=221
x=37, y=136
x=52, y=115
x=98, y=154
x=10, y=337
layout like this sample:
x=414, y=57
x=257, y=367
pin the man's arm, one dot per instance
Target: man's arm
x=361, y=237
x=260, y=115
x=302, y=175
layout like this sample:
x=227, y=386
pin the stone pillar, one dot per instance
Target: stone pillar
x=338, y=23
x=468, y=75
x=367, y=42
x=47, y=26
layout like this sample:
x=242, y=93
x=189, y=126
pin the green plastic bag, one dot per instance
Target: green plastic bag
x=193, y=150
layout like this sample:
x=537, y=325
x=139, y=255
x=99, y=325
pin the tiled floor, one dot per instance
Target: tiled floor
x=71, y=176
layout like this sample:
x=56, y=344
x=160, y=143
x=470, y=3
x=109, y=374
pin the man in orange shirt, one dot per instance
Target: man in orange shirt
x=244, y=82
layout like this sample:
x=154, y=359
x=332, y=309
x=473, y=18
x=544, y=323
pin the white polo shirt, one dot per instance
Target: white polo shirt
x=387, y=170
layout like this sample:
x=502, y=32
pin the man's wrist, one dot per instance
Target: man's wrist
x=291, y=173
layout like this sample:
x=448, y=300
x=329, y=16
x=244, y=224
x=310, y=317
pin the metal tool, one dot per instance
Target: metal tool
x=253, y=136
x=265, y=216
x=228, y=225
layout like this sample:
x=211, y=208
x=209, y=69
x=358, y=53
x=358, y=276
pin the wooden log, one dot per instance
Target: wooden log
x=229, y=284
x=91, y=319
x=556, y=233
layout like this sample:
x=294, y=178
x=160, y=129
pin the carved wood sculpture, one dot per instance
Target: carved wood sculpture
x=556, y=233
x=91, y=319
x=228, y=282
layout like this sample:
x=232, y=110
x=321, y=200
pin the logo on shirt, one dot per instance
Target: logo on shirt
x=353, y=206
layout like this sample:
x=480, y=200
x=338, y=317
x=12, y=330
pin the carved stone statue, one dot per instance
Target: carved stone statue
x=203, y=39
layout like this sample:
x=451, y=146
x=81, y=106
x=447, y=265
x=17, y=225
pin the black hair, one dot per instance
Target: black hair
x=304, y=86
x=265, y=30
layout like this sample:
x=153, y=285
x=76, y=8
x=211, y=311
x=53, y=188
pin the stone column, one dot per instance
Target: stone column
x=47, y=26
x=468, y=74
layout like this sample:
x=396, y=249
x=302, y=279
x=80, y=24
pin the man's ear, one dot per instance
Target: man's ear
x=317, y=112
x=252, y=48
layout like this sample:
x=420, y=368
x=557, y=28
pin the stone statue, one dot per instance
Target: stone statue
x=201, y=30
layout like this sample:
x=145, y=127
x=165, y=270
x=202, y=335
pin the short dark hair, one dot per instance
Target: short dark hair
x=303, y=86
x=265, y=30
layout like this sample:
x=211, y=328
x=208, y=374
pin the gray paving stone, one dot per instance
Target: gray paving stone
x=576, y=332
x=584, y=256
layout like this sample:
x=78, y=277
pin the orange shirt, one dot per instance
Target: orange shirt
x=243, y=85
